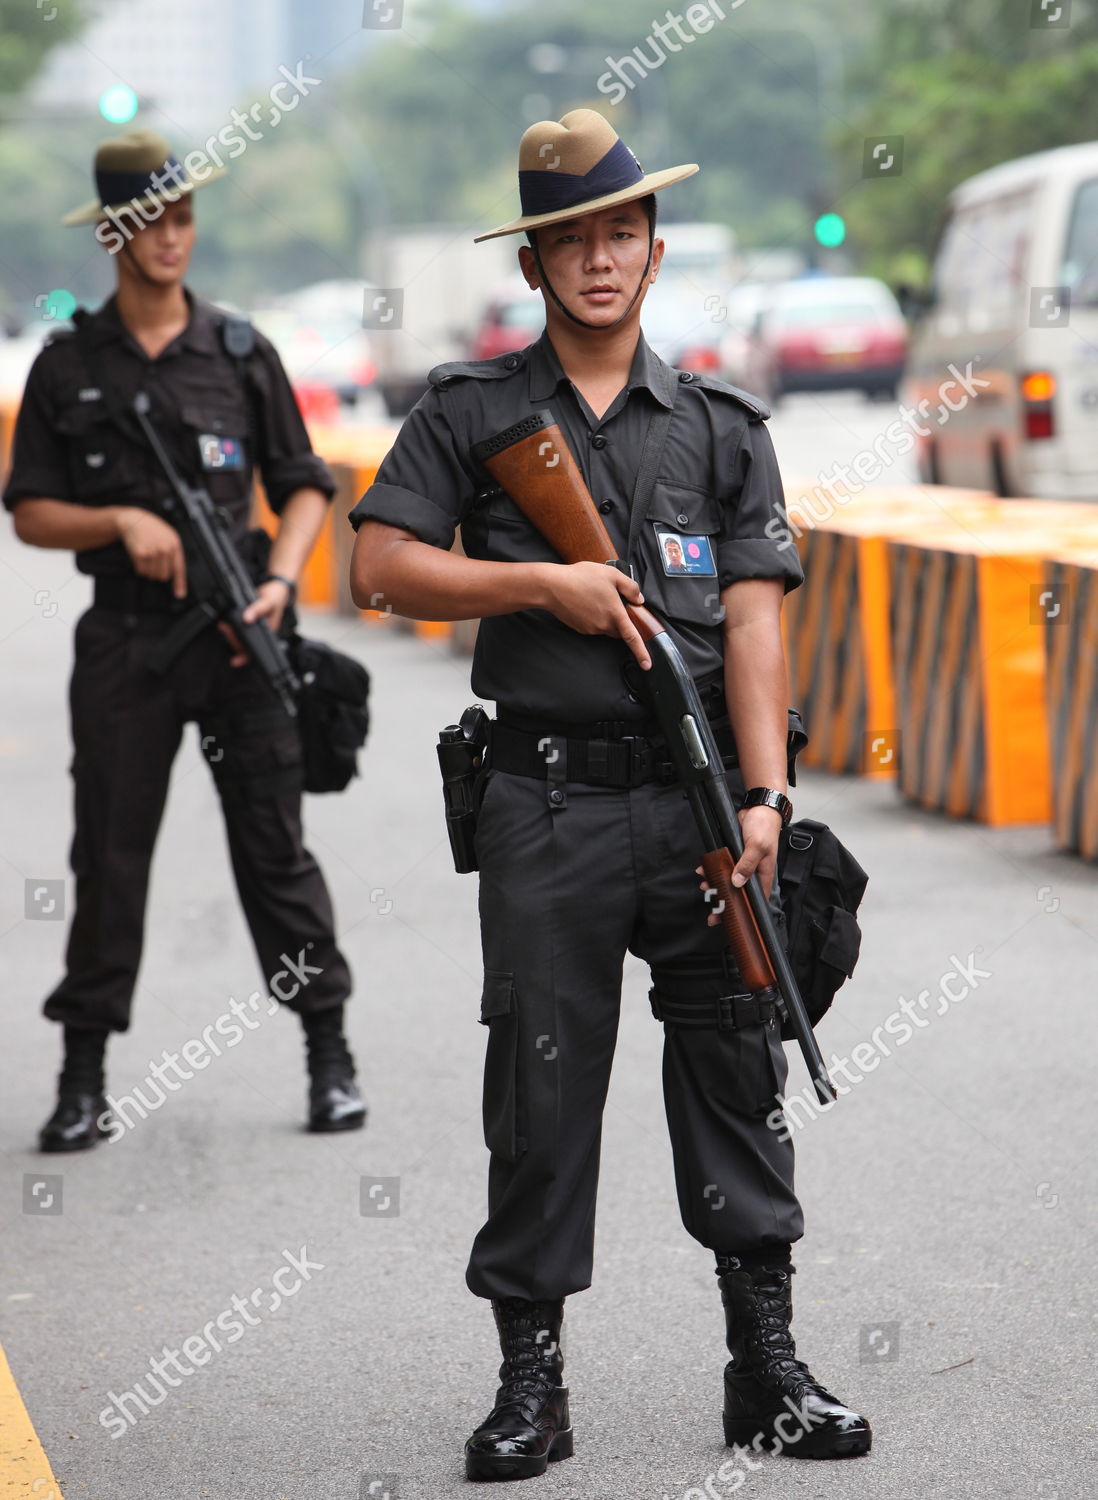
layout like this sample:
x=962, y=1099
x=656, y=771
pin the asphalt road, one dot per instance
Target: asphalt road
x=813, y=432
x=946, y=1280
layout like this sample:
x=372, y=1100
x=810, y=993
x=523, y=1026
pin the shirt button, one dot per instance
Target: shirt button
x=598, y=441
x=682, y=518
x=556, y=796
x=606, y=507
x=686, y=376
x=512, y=362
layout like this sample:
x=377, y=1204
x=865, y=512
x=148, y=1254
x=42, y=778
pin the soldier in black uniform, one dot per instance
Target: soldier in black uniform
x=586, y=850
x=83, y=477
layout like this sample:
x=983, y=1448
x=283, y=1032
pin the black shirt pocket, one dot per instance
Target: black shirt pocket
x=677, y=555
x=499, y=532
x=215, y=439
x=96, y=452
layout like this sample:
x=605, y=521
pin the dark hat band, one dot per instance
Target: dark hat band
x=119, y=187
x=545, y=191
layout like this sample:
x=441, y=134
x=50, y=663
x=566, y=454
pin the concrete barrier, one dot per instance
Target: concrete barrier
x=1069, y=608
x=917, y=643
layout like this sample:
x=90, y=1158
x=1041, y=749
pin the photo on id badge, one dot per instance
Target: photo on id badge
x=685, y=555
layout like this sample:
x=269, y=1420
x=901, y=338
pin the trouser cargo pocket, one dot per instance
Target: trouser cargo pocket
x=499, y=1012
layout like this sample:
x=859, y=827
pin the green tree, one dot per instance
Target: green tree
x=28, y=31
x=440, y=106
x=960, y=108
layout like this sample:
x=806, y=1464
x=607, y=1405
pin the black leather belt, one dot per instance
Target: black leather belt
x=138, y=596
x=607, y=756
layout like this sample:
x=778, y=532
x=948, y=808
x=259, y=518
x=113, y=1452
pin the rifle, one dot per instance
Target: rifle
x=216, y=576
x=533, y=463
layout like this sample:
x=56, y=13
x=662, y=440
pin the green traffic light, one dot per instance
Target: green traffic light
x=61, y=304
x=118, y=104
x=830, y=230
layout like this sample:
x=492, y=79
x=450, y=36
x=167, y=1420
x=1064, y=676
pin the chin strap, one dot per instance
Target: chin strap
x=597, y=327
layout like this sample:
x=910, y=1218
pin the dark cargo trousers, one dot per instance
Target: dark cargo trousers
x=127, y=724
x=565, y=893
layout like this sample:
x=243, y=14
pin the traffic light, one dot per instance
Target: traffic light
x=118, y=104
x=830, y=230
x=60, y=304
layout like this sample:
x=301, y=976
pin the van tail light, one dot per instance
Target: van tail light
x=1038, y=390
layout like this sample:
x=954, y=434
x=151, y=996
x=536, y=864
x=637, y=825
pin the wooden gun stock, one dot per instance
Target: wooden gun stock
x=533, y=463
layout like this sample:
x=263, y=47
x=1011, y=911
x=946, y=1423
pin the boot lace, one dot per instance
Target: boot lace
x=770, y=1346
x=531, y=1364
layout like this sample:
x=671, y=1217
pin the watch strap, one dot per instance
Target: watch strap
x=768, y=796
x=281, y=578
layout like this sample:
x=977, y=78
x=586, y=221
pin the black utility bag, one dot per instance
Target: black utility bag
x=332, y=712
x=333, y=716
x=822, y=886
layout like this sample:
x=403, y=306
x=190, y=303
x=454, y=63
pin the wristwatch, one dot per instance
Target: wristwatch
x=281, y=578
x=766, y=796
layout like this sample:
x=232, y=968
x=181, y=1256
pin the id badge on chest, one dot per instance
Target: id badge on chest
x=220, y=453
x=685, y=556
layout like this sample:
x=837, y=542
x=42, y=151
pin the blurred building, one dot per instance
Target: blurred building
x=193, y=60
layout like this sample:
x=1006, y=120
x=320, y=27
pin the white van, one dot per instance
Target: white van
x=1003, y=362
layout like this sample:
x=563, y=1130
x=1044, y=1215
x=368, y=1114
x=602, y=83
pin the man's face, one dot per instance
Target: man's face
x=595, y=262
x=674, y=554
x=162, y=247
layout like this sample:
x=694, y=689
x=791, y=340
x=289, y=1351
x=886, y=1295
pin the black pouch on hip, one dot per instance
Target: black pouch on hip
x=461, y=755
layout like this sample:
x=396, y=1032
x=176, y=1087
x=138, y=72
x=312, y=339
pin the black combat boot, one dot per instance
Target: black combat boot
x=74, y=1124
x=764, y=1381
x=334, y=1100
x=528, y=1428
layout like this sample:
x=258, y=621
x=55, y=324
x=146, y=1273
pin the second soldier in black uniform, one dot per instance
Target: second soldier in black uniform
x=84, y=477
x=587, y=849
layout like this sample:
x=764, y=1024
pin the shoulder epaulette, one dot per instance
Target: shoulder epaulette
x=500, y=368
x=756, y=407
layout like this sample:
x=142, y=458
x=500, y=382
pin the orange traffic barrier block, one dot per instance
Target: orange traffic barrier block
x=972, y=736
x=916, y=644
x=838, y=624
x=969, y=613
x=1068, y=608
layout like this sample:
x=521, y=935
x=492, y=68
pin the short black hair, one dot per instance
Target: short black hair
x=648, y=203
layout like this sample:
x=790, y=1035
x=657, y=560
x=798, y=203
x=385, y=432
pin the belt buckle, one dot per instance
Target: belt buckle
x=598, y=761
x=746, y=1010
x=639, y=757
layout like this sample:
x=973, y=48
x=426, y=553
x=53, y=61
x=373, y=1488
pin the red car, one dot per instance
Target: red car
x=512, y=319
x=828, y=333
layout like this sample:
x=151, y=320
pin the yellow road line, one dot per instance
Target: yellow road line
x=24, y=1468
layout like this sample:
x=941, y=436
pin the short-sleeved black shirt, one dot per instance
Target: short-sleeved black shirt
x=76, y=438
x=717, y=490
